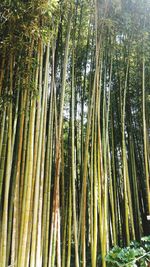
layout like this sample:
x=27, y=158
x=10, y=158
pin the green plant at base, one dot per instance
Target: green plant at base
x=137, y=254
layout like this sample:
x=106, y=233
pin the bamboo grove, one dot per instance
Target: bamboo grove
x=74, y=130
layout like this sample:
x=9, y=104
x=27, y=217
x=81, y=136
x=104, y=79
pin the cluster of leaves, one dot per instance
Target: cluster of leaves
x=137, y=254
x=26, y=19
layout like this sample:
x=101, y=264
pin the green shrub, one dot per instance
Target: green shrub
x=137, y=254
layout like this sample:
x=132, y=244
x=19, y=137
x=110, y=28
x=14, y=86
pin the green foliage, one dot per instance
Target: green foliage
x=19, y=22
x=137, y=254
x=4, y=101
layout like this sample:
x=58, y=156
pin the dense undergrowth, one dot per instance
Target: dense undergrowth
x=137, y=254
